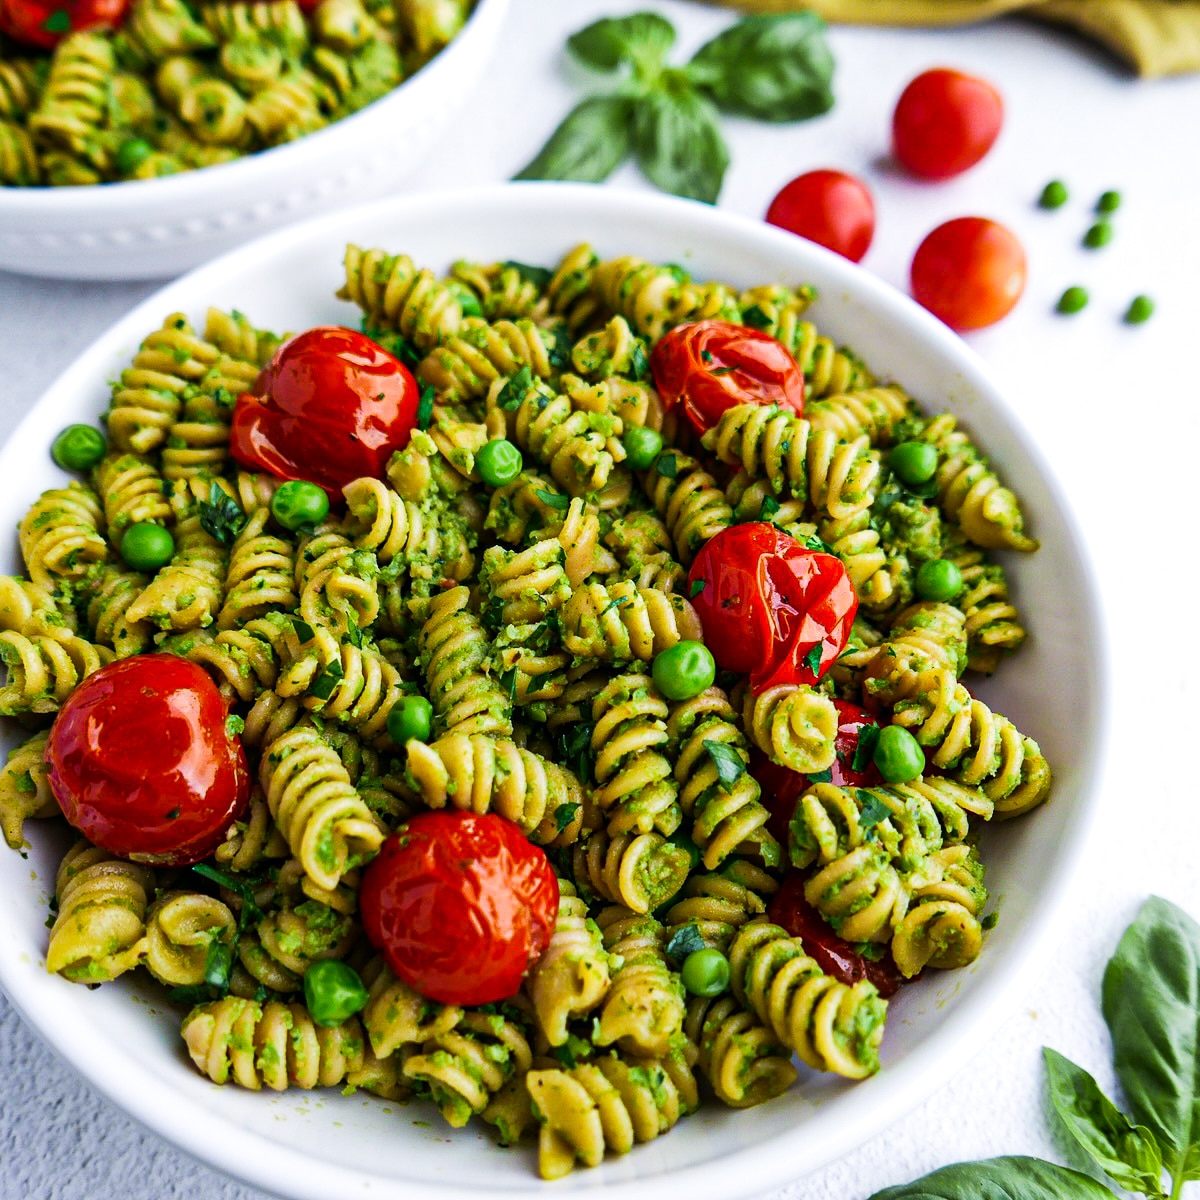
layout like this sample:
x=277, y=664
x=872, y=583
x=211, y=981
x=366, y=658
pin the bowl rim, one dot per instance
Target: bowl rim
x=126, y=197
x=885, y=1097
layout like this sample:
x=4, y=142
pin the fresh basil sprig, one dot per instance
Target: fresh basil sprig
x=774, y=67
x=1012, y=1178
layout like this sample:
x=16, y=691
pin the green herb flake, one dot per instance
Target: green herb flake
x=768, y=509
x=59, y=21
x=812, y=660
x=221, y=515
x=540, y=277
x=639, y=364
x=564, y=814
x=667, y=466
x=873, y=809
x=552, y=499
x=425, y=407
x=514, y=391
x=324, y=683
x=696, y=587
x=729, y=763
x=756, y=318
x=304, y=631
x=687, y=939
x=825, y=776
x=864, y=751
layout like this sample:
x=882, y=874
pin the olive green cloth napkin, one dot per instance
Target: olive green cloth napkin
x=1156, y=37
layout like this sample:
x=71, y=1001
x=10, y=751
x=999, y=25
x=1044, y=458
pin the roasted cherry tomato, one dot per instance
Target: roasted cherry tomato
x=460, y=905
x=970, y=272
x=710, y=366
x=45, y=23
x=832, y=954
x=771, y=609
x=945, y=122
x=781, y=787
x=830, y=208
x=331, y=406
x=142, y=763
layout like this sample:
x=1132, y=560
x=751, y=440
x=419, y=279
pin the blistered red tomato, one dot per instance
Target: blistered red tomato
x=771, y=608
x=331, y=406
x=830, y=208
x=970, y=272
x=142, y=763
x=781, y=786
x=709, y=366
x=460, y=905
x=834, y=955
x=45, y=23
x=945, y=122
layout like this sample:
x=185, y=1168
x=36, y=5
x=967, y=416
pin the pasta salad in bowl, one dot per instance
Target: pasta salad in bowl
x=559, y=667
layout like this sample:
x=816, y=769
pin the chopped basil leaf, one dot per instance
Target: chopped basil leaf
x=729, y=763
x=396, y=344
x=575, y=749
x=756, y=318
x=553, y=499
x=58, y=21
x=514, y=391
x=722, y=370
x=768, y=508
x=825, y=776
x=508, y=681
x=218, y=963
x=667, y=466
x=354, y=634
x=812, y=542
x=564, y=814
x=221, y=515
x=639, y=364
x=873, y=809
x=304, y=631
x=684, y=941
x=696, y=587
x=812, y=660
x=425, y=407
x=706, y=356
x=864, y=752
x=328, y=679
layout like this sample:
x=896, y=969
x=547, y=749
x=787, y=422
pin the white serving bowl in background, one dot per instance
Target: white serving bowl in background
x=125, y=1039
x=157, y=228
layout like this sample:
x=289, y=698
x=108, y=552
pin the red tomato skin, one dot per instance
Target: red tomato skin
x=460, y=905
x=832, y=954
x=969, y=272
x=767, y=601
x=743, y=366
x=138, y=740
x=330, y=406
x=831, y=208
x=945, y=122
x=25, y=20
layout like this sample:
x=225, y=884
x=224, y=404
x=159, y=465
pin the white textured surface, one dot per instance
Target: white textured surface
x=1116, y=410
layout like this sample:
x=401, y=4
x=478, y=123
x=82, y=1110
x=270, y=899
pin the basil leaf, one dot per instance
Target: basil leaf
x=772, y=67
x=592, y=141
x=641, y=39
x=677, y=141
x=1011, y=1178
x=729, y=763
x=425, y=407
x=864, y=752
x=873, y=809
x=515, y=390
x=564, y=814
x=696, y=587
x=1151, y=1002
x=538, y=276
x=218, y=963
x=221, y=516
x=552, y=499
x=322, y=687
x=1126, y=1153
x=686, y=940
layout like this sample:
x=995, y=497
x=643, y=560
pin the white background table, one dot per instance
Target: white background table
x=1114, y=407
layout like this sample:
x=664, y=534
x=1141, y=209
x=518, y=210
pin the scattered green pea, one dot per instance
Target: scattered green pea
x=1141, y=308
x=146, y=546
x=298, y=503
x=938, y=579
x=705, y=972
x=333, y=992
x=642, y=446
x=683, y=670
x=131, y=154
x=898, y=755
x=78, y=447
x=1098, y=235
x=1073, y=300
x=411, y=717
x=1054, y=194
x=1109, y=202
x=499, y=462
x=914, y=462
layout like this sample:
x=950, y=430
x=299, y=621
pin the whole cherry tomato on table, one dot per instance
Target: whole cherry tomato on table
x=460, y=905
x=709, y=366
x=831, y=208
x=142, y=764
x=945, y=122
x=832, y=954
x=45, y=23
x=771, y=608
x=331, y=406
x=970, y=272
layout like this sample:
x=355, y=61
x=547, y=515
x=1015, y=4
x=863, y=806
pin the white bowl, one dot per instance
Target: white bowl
x=311, y=1145
x=158, y=228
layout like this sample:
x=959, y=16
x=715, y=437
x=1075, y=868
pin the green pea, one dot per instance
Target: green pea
x=1099, y=235
x=499, y=462
x=333, y=992
x=938, y=579
x=1073, y=300
x=1109, y=202
x=1141, y=308
x=914, y=462
x=1054, y=194
x=683, y=670
x=898, y=755
x=705, y=972
x=146, y=546
x=642, y=446
x=78, y=447
x=298, y=503
x=131, y=154
x=411, y=717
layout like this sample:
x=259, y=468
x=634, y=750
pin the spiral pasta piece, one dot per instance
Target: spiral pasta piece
x=381, y=521
x=569, y=293
x=186, y=593
x=326, y=823
x=873, y=413
x=30, y=609
x=25, y=789
x=100, y=930
x=60, y=535
x=279, y=21
x=652, y=298
x=19, y=165
x=942, y=927
x=860, y=893
x=487, y=774
x=259, y=578
x=719, y=904
x=926, y=636
x=480, y=352
x=830, y=1026
x=396, y=1016
x=180, y=928
x=793, y=725
x=131, y=490
x=623, y=622
x=336, y=582
x=198, y=443
x=296, y=936
x=44, y=671
x=687, y=498
x=880, y=579
x=640, y=871
x=252, y=839
x=504, y=290
x=744, y=1062
x=73, y=106
x=993, y=624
